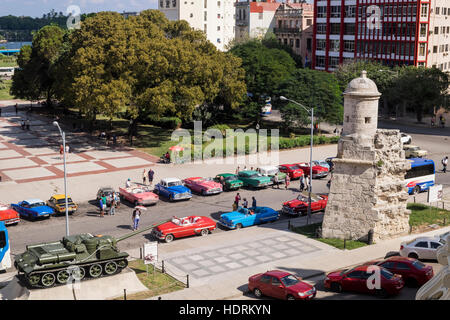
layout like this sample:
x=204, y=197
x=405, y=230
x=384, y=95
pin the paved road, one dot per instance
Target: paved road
x=407, y=293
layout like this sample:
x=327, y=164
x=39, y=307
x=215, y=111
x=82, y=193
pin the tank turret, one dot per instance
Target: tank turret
x=73, y=258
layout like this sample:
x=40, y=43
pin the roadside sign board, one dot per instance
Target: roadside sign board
x=151, y=252
x=435, y=193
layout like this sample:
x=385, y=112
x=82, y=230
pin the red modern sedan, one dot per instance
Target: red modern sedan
x=292, y=170
x=359, y=279
x=413, y=272
x=280, y=285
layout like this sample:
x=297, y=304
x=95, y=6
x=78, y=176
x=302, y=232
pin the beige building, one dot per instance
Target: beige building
x=214, y=17
x=294, y=27
x=439, y=35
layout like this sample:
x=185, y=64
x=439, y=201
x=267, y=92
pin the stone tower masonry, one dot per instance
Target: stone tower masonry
x=367, y=189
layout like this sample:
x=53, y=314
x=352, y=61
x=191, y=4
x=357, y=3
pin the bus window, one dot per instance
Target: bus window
x=420, y=171
x=2, y=239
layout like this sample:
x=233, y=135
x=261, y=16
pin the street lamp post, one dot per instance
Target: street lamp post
x=311, y=112
x=63, y=135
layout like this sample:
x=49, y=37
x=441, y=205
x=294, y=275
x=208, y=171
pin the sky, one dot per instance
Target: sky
x=36, y=8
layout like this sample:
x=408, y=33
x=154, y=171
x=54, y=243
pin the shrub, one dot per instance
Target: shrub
x=221, y=127
x=164, y=122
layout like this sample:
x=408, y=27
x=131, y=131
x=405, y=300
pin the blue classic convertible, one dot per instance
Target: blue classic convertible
x=248, y=217
x=33, y=208
x=172, y=189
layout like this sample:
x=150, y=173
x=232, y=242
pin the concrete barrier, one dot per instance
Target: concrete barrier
x=98, y=289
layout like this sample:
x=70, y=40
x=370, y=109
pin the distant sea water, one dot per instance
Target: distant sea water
x=14, y=45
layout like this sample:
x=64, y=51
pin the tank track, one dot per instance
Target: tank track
x=24, y=279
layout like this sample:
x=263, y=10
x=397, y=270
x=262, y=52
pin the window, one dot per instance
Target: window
x=2, y=239
x=218, y=40
x=334, y=45
x=347, y=119
x=420, y=171
x=335, y=11
x=423, y=30
x=218, y=16
x=422, y=49
x=309, y=44
x=205, y=16
x=402, y=266
x=349, y=45
x=205, y=28
x=321, y=28
x=437, y=10
x=308, y=22
x=276, y=282
x=161, y=3
x=367, y=120
x=333, y=62
x=167, y=3
x=297, y=43
x=436, y=30
x=320, y=44
x=291, y=42
x=191, y=15
x=435, y=245
x=422, y=244
x=321, y=12
x=174, y=3
x=355, y=274
x=218, y=4
x=205, y=5
x=388, y=265
x=435, y=49
x=260, y=16
x=349, y=28
x=335, y=28
x=218, y=28
x=265, y=279
x=320, y=61
x=350, y=11
x=424, y=10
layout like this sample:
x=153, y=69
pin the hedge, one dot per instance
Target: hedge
x=164, y=122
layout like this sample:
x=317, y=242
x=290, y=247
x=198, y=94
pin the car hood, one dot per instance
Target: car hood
x=231, y=216
x=301, y=287
x=8, y=214
x=294, y=203
x=178, y=189
x=210, y=184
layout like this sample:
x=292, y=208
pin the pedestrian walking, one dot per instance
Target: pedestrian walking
x=22, y=124
x=100, y=204
x=443, y=122
x=444, y=164
x=245, y=203
x=117, y=200
x=276, y=182
x=237, y=199
x=287, y=180
x=67, y=148
x=237, y=170
x=114, y=139
x=0, y=112
x=16, y=107
x=136, y=217
x=61, y=150
x=144, y=177
x=253, y=202
x=112, y=209
x=302, y=183
x=308, y=183
x=27, y=124
x=128, y=183
x=151, y=173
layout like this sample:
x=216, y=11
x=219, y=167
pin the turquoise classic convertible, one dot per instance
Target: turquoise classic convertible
x=248, y=217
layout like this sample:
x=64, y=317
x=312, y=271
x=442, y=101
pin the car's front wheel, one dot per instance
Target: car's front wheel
x=257, y=293
x=238, y=226
x=204, y=232
x=416, y=190
x=290, y=297
x=168, y=238
x=336, y=287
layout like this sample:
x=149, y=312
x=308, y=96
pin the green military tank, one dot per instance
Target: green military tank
x=76, y=257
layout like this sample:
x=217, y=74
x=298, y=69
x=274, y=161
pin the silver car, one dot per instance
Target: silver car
x=421, y=248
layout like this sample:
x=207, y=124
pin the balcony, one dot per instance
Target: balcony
x=287, y=30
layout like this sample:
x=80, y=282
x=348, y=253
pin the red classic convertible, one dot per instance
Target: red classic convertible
x=204, y=186
x=300, y=205
x=317, y=171
x=8, y=215
x=292, y=170
x=184, y=227
x=138, y=195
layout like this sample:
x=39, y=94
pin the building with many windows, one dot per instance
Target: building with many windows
x=394, y=32
x=214, y=17
x=294, y=27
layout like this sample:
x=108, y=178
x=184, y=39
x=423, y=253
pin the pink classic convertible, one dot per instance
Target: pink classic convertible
x=204, y=186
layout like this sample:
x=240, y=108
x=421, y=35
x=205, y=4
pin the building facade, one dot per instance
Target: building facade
x=394, y=32
x=254, y=19
x=214, y=17
x=294, y=27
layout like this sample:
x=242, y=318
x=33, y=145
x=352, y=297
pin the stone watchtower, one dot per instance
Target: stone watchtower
x=367, y=188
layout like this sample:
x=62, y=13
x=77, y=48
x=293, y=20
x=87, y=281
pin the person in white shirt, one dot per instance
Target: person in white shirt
x=128, y=183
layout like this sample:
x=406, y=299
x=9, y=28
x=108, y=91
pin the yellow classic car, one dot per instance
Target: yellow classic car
x=57, y=203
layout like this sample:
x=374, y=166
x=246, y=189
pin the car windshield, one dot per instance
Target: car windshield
x=140, y=190
x=414, y=149
x=37, y=204
x=174, y=183
x=302, y=198
x=387, y=274
x=294, y=167
x=62, y=201
x=230, y=178
x=255, y=175
x=289, y=280
x=243, y=210
x=272, y=172
x=419, y=265
x=442, y=241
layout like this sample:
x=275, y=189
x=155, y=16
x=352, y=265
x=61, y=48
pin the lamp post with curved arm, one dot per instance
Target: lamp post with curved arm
x=310, y=112
x=63, y=135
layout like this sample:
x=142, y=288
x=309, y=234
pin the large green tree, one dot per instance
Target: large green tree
x=313, y=89
x=421, y=89
x=265, y=68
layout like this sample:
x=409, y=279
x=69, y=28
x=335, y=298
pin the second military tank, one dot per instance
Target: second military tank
x=74, y=257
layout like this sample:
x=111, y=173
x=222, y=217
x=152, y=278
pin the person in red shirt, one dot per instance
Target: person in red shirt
x=237, y=199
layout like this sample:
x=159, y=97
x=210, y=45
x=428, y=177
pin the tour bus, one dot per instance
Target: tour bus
x=5, y=258
x=421, y=176
x=6, y=71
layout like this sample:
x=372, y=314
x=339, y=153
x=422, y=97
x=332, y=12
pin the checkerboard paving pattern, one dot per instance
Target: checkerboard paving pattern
x=27, y=156
x=223, y=259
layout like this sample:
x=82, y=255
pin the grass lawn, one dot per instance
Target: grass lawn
x=158, y=283
x=4, y=90
x=310, y=232
x=423, y=215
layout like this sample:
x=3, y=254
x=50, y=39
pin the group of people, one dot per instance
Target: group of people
x=237, y=199
x=61, y=150
x=109, y=206
x=148, y=174
x=441, y=121
x=25, y=124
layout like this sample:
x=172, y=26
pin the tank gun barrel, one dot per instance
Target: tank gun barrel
x=132, y=234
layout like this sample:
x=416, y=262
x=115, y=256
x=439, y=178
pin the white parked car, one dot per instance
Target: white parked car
x=405, y=138
x=421, y=248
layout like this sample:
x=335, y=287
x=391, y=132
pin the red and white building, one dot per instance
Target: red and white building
x=394, y=32
x=254, y=19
